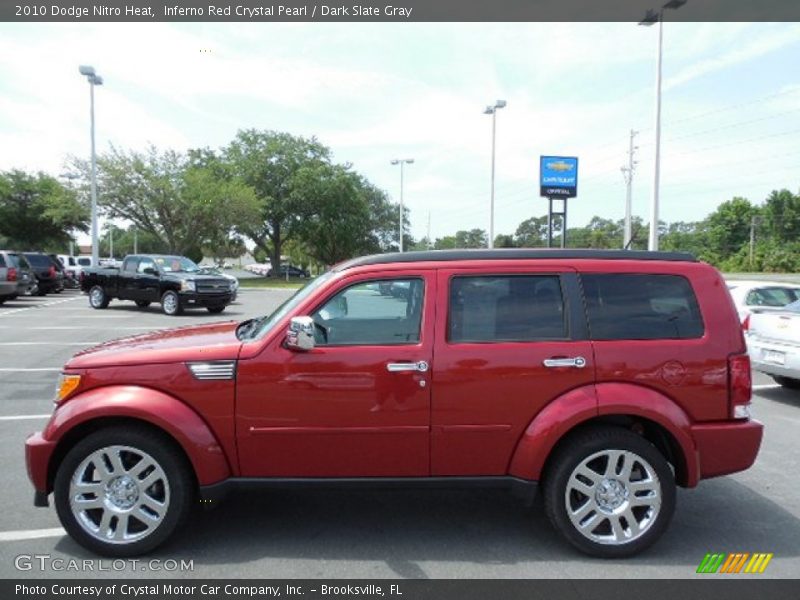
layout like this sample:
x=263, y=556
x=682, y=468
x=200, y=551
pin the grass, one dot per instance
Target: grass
x=272, y=282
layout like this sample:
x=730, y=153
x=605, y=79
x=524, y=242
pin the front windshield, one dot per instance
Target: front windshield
x=266, y=323
x=176, y=264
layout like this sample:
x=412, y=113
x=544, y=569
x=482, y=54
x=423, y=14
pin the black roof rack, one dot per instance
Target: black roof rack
x=511, y=254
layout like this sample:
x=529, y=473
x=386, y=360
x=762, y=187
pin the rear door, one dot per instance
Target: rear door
x=507, y=343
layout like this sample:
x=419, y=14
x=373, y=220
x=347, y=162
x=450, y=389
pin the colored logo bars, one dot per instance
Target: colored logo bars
x=735, y=563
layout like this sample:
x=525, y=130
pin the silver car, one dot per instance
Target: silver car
x=16, y=277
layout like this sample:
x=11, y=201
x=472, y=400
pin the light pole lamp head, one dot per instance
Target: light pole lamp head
x=500, y=104
x=489, y=110
x=651, y=18
x=409, y=160
x=96, y=80
x=86, y=70
x=675, y=4
x=395, y=161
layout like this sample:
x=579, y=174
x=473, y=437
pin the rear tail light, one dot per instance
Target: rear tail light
x=740, y=385
x=52, y=272
x=746, y=324
x=12, y=274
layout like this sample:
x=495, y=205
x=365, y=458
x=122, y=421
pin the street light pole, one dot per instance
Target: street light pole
x=627, y=173
x=492, y=110
x=94, y=79
x=651, y=18
x=401, y=162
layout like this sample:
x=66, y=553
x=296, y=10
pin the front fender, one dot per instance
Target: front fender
x=166, y=412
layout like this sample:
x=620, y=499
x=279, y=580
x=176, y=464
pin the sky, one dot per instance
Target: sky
x=379, y=91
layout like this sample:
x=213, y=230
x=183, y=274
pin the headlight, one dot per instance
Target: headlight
x=66, y=385
x=187, y=286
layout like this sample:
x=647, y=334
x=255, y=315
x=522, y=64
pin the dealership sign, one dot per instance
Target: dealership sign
x=558, y=176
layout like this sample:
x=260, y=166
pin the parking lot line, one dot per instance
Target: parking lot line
x=31, y=534
x=28, y=370
x=48, y=343
x=23, y=417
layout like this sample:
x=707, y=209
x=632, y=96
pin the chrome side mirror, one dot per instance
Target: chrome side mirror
x=300, y=335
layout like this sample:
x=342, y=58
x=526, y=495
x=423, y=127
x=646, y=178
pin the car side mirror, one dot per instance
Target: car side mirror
x=150, y=271
x=300, y=335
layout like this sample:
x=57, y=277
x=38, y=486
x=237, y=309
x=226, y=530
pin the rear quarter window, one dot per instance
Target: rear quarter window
x=623, y=306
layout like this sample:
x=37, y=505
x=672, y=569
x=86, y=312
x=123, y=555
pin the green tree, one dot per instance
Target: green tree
x=184, y=204
x=474, y=238
x=727, y=229
x=270, y=163
x=503, y=240
x=531, y=233
x=38, y=212
x=782, y=216
x=447, y=242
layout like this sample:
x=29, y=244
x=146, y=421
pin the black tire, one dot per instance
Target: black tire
x=787, y=382
x=171, y=303
x=179, y=495
x=142, y=303
x=215, y=310
x=597, y=540
x=3, y=300
x=98, y=297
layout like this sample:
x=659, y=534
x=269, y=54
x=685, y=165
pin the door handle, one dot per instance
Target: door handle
x=577, y=362
x=420, y=366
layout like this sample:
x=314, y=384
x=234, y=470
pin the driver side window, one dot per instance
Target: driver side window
x=383, y=312
x=145, y=263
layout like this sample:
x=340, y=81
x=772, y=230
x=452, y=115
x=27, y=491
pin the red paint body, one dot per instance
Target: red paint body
x=485, y=409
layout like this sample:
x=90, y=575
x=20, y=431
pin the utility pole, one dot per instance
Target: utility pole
x=627, y=173
x=428, y=236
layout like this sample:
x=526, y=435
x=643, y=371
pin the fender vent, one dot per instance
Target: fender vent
x=217, y=369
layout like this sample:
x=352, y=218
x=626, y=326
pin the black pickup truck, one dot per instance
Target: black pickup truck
x=173, y=281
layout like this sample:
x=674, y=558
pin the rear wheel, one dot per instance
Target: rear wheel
x=215, y=309
x=98, y=297
x=787, y=382
x=142, y=303
x=123, y=491
x=610, y=492
x=171, y=303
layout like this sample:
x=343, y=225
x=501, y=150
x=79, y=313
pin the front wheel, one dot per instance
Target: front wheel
x=171, y=303
x=123, y=491
x=610, y=492
x=787, y=382
x=98, y=297
x=215, y=310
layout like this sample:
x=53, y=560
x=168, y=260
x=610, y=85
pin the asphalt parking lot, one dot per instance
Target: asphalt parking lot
x=359, y=534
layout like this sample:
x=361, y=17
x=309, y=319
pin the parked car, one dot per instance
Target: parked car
x=291, y=271
x=48, y=278
x=764, y=296
x=773, y=339
x=174, y=281
x=72, y=268
x=9, y=276
x=603, y=378
x=66, y=276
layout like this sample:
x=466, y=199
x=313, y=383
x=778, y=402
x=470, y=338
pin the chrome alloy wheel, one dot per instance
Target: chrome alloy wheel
x=119, y=494
x=170, y=303
x=96, y=297
x=613, y=497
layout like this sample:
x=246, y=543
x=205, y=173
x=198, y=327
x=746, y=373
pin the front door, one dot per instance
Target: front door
x=511, y=342
x=356, y=405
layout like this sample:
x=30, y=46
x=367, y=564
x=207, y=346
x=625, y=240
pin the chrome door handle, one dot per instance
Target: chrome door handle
x=420, y=366
x=553, y=363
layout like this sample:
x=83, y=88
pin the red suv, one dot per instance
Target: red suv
x=605, y=377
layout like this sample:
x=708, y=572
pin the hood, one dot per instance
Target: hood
x=216, y=341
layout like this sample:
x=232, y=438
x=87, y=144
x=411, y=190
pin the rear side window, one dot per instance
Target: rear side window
x=39, y=260
x=508, y=308
x=130, y=264
x=2, y=261
x=772, y=296
x=641, y=307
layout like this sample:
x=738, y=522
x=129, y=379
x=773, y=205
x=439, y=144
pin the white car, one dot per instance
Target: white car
x=764, y=296
x=773, y=342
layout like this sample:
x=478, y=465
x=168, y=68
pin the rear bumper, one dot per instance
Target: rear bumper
x=729, y=447
x=787, y=355
x=38, y=452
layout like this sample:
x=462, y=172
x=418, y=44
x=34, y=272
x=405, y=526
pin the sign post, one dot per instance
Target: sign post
x=558, y=180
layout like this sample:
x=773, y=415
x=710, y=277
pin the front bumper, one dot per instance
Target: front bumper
x=205, y=300
x=38, y=452
x=728, y=447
